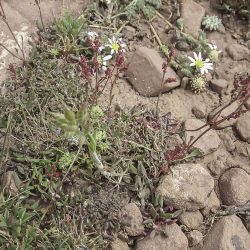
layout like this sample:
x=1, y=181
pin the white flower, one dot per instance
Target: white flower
x=213, y=46
x=201, y=65
x=92, y=35
x=116, y=45
x=103, y=61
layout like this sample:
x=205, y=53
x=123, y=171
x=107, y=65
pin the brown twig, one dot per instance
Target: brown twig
x=5, y=20
x=40, y=12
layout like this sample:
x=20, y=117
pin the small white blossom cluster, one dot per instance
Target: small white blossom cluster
x=114, y=46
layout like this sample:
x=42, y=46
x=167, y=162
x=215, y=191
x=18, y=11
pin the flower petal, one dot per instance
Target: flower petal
x=195, y=56
x=200, y=56
x=191, y=59
x=106, y=58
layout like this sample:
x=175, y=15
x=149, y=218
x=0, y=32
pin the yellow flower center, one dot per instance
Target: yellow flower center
x=115, y=47
x=199, y=64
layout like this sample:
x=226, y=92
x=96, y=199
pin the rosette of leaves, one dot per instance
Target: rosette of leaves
x=211, y=22
x=147, y=7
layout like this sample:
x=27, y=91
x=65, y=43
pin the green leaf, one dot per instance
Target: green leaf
x=196, y=152
x=3, y=123
x=92, y=143
x=70, y=116
x=82, y=117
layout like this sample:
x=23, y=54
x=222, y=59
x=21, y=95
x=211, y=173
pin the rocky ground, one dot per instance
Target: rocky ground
x=212, y=192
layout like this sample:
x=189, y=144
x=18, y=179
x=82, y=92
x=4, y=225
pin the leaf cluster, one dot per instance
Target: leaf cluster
x=147, y=7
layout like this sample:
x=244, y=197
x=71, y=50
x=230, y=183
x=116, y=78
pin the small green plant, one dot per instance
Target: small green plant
x=180, y=24
x=16, y=224
x=78, y=125
x=214, y=53
x=198, y=83
x=147, y=7
x=211, y=22
x=69, y=26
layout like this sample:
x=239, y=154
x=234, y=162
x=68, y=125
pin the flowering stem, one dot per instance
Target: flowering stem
x=112, y=86
x=160, y=94
x=13, y=54
x=40, y=12
x=216, y=115
x=216, y=123
x=14, y=37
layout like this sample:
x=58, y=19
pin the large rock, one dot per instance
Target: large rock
x=238, y=52
x=132, y=215
x=208, y=143
x=228, y=233
x=119, y=245
x=145, y=73
x=173, y=238
x=228, y=142
x=227, y=111
x=200, y=110
x=218, y=165
x=194, y=238
x=213, y=204
x=192, y=220
x=247, y=104
x=129, y=32
x=192, y=14
x=186, y=187
x=234, y=187
x=218, y=85
x=243, y=127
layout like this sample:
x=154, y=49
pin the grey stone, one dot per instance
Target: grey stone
x=243, y=127
x=199, y=111
x=129, y=32
x=132, y=215
x=192, y=220
x=173, y=238
x=247, y=104
x=194, y=238
x=228, y=233
x=187, y=187
x=238, y=52
x=192, y=13
x=145, y=73
x=213, y=204
x=234, y=187
x=119, y=245
x=227, y=111
x=218, y=85
x=228, y=142
x=208, y=143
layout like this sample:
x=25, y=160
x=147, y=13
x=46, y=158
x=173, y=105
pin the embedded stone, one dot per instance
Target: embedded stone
x=132, y=215
x=171, y=238
x=243, y=127
x=145, y=73
x=208, y=143
x=192, y=14
x=187, y=187
x=228, y=233
x=234, y=187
